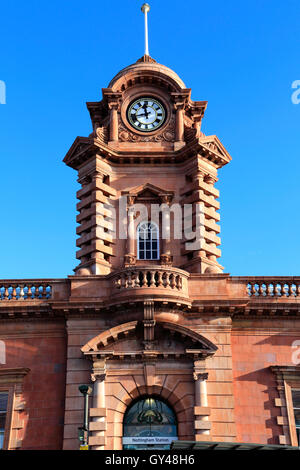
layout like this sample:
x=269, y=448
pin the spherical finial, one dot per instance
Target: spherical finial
x=145, y=8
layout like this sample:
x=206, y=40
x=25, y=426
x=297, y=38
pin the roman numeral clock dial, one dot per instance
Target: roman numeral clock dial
x=146, y=114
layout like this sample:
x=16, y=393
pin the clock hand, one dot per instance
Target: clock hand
x=145, y=105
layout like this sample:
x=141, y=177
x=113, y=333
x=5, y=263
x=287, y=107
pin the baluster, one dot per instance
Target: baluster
x=145, y=283
x=253, y=289
x=167, y=283
x=291, y=289
x=130, y=280
x=298, y=290
x=160, y=280
x=172, y=283
x=21, y=291
x=261, y=289
x=6, y=293
x=14, y=292
x=136, y=280
x=152, y=279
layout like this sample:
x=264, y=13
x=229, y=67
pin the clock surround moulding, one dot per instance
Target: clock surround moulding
x=146, y=91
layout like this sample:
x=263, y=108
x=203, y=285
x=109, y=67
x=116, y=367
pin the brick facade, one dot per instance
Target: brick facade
x=217, y=349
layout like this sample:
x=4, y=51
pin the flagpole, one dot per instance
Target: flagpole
x=145, y=10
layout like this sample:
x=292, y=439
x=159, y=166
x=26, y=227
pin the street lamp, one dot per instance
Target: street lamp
x=83, y=431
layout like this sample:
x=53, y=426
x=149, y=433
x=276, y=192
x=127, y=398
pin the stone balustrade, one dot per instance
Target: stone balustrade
x=160, y=280
x=25, y=290
x=156, y=277
x=273, y=287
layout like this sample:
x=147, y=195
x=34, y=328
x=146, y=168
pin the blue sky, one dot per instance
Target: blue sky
x=240, y=56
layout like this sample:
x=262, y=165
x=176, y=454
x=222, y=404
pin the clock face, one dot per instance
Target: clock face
x=146, y=114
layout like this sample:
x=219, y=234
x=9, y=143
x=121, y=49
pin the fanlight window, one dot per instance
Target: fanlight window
x=148, y=241
x=148, y=420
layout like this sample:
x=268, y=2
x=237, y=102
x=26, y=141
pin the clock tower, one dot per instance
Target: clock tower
x=168, y=351
x=147, y=149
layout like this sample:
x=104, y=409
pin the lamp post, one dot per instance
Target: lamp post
x=83, y=432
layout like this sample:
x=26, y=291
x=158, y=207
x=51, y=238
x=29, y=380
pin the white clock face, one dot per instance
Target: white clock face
x=146, y=114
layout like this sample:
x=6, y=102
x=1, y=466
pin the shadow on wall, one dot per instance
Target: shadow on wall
x=262, y=382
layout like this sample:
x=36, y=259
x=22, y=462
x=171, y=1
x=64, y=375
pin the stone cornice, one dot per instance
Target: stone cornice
x=13, y=375
x=84, y=148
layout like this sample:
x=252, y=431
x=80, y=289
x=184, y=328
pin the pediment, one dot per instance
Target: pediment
x=79, y=150
x=169, y=340
x=148, y=191
x=213, y=144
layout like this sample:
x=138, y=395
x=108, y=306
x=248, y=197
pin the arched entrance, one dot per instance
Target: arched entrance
x=149, y=423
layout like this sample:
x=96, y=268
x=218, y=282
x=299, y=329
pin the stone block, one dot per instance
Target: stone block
x=204, y=425
x=202, y=411
x=97, y=426
x=202, y=438
x=97, y=441
x=282, y=440
x=98, y=412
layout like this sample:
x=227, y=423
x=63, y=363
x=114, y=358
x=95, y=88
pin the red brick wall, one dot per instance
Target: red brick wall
x=42, y=349
x=258, y=346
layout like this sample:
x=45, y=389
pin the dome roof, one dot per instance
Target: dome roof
x=147, y=64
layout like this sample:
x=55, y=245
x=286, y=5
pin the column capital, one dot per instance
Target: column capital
x=113, y=105
x=130, y=200
x=179, y=105
x=99, y=371
x=166, y=199
x=200, y=375
x=97, y=375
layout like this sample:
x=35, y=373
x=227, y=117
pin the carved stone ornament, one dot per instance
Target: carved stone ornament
x=150, y=345
x=98, y=376
x=102, y=134
x=166, y=259
x=168, y=134
x=130, y=260
x=200, y=375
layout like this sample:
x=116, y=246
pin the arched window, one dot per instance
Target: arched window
x=149, y=423
x=147, y=241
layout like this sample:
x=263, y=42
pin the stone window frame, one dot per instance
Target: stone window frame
x=11, y=382
x=152, y=228
x=288, y=379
